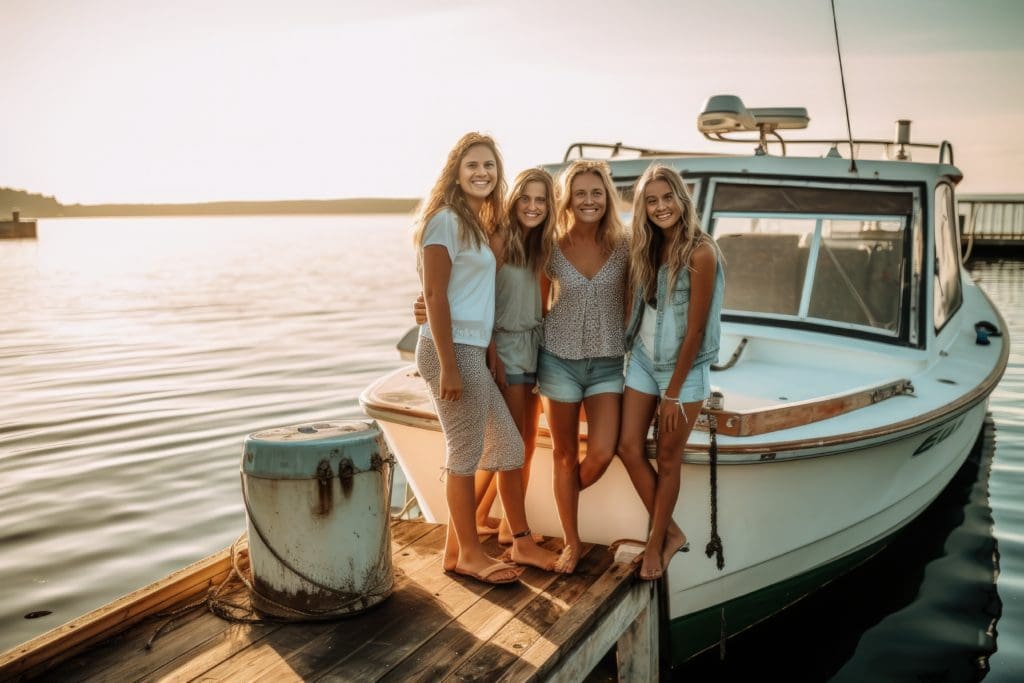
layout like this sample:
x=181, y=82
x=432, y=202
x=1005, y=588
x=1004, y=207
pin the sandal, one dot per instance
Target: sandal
x=486, y=576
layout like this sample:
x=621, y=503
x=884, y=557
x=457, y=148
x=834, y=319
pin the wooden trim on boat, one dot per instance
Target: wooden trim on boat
x=42, y=652
x=799, y=413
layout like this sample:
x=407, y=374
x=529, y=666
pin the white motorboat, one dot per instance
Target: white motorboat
x=857, y=361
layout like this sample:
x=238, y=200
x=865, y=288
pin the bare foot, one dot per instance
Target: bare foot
x=675, y=540
x=526, y=551
x=650, y=568
x=566, y=563
x=487, y=526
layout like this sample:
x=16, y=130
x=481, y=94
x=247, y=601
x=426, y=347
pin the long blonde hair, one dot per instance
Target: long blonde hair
x=610, y=231
x=447, y=193
x=533, y=249
x=647, y=238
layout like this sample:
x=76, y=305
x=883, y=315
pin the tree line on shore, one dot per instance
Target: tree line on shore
x=32, y=205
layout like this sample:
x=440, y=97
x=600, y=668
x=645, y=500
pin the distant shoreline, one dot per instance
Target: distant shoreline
x=41, y=206
x=251, y=208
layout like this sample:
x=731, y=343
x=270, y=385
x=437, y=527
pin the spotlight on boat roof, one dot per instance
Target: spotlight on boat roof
x=724, y=114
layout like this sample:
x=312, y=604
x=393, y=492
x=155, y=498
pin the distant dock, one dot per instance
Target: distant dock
x=991, y=222
x=16, y=228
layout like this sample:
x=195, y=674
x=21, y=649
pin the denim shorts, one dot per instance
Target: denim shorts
x=529, y=378
x=641, y=376
x=570, y=381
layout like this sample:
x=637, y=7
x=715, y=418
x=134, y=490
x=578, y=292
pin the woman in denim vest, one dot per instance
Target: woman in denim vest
x=676, y=288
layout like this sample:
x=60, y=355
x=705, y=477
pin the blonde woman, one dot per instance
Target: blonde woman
x=522, y=248
x=580, y=362
x=519, y=318
x=457, y=269
x=676, y=286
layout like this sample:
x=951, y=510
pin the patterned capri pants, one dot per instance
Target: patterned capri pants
x=479, y=431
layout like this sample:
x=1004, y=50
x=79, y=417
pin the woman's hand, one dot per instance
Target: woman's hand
x=670, y=415
x=498, y=370
x=419, y=310
x=495, y=365
x=451, y=385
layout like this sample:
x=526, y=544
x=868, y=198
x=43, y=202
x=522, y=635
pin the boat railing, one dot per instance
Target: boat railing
x=617, y=149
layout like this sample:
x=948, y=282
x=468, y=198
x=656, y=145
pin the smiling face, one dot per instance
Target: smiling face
x=589, y=200
x=532, y=205
x=662, y=205
x=478, y=174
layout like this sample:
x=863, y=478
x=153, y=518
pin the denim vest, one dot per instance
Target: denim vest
x=666, y=351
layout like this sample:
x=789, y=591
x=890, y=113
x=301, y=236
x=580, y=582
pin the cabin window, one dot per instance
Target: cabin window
x=842, y=264
x=948, y=294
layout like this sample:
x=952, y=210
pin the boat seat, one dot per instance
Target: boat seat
x=773, y=286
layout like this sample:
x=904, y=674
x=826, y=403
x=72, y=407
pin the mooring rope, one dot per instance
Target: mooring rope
x=714, y=546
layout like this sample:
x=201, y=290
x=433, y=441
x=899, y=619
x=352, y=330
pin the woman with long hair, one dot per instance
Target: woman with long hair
x=457, y=270
x=580, y=362
x=676, y=289
x=519, y=316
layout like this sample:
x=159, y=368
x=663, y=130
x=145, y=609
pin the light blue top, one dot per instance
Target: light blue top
x=669, y=333
x=471, y=285
x=519, y=323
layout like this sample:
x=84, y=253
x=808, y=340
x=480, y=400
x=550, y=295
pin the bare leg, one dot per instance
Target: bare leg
x=670, y=457
x=602, y=435
x=486, y=492
x=471, y=556
x=524, y=549
x=564, y=423
x=637, y=412
x=524, y=406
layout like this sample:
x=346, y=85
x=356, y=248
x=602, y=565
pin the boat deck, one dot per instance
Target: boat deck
x=434, y=627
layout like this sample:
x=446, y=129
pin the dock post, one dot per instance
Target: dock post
x=637, y=648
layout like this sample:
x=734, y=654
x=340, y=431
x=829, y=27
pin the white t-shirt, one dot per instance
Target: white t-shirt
x=650, y=321
x=471, y=285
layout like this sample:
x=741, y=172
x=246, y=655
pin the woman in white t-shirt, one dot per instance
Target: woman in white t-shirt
x=457, y=270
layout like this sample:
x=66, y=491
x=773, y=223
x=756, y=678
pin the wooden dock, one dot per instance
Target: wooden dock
x=435, y=626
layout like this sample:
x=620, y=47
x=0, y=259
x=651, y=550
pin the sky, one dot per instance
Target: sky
x=204, y=100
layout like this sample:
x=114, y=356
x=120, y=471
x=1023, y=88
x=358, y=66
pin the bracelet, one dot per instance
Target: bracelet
x=664, y=397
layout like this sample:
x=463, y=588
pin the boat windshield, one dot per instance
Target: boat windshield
x=822, y=255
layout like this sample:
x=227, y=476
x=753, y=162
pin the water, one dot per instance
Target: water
x=137, y=353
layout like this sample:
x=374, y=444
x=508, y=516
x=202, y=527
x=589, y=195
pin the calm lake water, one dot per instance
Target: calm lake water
x=136, y=354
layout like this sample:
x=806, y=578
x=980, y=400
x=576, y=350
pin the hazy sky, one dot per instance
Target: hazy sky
x=194, y=100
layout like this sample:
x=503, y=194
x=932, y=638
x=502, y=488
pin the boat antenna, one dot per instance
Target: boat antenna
x=842, y=79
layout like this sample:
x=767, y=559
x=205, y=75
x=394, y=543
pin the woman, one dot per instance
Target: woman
x=676, y=284
x=458, y=276
x=580, y=363
x=524, y=251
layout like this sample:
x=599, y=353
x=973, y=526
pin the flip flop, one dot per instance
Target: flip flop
x=490, y=571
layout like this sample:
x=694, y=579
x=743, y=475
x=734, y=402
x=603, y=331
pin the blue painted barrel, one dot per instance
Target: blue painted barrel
x=317, y=500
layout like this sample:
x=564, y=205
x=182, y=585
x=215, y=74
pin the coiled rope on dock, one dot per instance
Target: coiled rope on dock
x=218, y=603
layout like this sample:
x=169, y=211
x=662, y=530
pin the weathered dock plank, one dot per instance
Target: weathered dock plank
x=436, y=626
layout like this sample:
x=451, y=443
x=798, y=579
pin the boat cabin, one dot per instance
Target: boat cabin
x=823, y=244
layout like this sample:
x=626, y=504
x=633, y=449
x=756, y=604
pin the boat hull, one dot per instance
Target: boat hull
x=787, y=525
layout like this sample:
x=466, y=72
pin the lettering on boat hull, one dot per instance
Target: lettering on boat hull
x=938, y=436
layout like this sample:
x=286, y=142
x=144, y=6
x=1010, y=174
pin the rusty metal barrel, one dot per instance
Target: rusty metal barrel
x=317, y=501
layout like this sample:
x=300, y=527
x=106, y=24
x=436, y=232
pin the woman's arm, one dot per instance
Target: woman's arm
x=437, y=270
x=545, y=294
x=702, y=285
